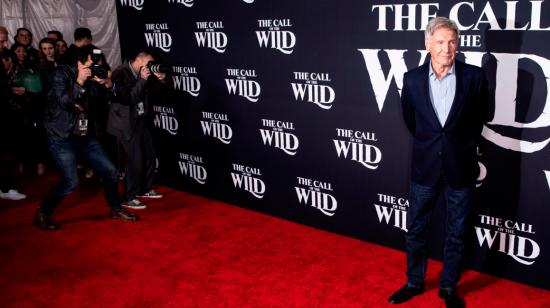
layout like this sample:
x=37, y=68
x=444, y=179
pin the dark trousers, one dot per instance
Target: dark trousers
x=422, y=200
x=64, y=153
x=140, y=161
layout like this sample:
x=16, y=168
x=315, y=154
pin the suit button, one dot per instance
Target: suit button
x=439, y=153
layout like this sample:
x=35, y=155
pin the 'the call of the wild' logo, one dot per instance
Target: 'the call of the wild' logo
x=317, y=194
x=276, y=34
x=313, y=88
x=209, y=34
x=508, y=237
x=192, y=166
x=358, y=146
x=157, y=35
x=279, y=134
x=248, y=179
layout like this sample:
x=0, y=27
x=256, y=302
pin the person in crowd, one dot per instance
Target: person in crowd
x=27, y=102
x=46, y=67
x=70, y=123
x=21, y=55
x=3, y=38
x=7, y=158
x=54, y=35
x=134, y=80
x=60, y=48
x=24, y=37
x=445, y=104
x=47, y=62
x=82, y=37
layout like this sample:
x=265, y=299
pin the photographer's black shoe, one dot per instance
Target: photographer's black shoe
x=404, y=294
x=43, y=221
x=123, y=215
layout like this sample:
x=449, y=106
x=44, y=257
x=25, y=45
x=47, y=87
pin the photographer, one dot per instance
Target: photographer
x=70, y=123
x=130, y=120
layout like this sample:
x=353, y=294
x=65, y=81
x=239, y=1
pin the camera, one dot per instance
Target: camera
x=155, y=67
x=99, y=70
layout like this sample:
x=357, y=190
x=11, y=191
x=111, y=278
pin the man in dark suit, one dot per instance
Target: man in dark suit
x=131, y=120
x=444, y=107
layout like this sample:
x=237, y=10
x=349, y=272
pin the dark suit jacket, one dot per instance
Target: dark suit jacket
x=447, y=152
x=123, y=111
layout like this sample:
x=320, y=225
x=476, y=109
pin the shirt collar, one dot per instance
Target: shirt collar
x=450, y=72
x=132, y=70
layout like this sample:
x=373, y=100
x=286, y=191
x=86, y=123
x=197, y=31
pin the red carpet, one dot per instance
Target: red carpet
x=189, y=251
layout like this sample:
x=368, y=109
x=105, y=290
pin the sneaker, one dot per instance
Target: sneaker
x=123, y=215
x=150, y=195
x=134, y=204
x=13, y=194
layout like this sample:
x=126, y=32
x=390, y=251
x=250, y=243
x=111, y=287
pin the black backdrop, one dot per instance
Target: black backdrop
x=292, y=108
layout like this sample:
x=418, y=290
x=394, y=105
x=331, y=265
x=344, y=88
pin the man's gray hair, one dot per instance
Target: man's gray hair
x=437, y=23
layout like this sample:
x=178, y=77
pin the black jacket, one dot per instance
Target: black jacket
x=130, y=91
x=63, y=96
x=449, y=150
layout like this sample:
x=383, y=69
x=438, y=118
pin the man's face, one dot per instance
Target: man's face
x=24, y=37
x=442, y=47
x=3, y=41
x=143, y=61
x=48, y=50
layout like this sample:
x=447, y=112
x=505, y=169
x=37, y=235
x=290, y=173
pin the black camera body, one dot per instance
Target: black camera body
x=155, y=67
x=98, y=70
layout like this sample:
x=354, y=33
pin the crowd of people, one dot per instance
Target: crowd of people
x=63, y=106
x=24, y=77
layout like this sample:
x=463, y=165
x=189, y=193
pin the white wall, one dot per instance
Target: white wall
x=40, y=16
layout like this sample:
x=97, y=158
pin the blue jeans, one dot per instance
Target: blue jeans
x=64, y=153
x=422, y=200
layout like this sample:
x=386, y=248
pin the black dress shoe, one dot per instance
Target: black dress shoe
x=404, y=294
x=123, y=215
x=452, y=300
x=43, y=221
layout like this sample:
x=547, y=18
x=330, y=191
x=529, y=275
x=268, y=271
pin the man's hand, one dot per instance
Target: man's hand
x=84, y=73
x=107, y=82
x=160, y=76
x=18, y=90
x=144, y=72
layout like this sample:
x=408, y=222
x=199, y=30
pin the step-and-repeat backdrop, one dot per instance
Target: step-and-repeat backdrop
x=292, y=108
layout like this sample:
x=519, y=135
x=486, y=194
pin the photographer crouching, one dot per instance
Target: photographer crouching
x=71, y=124
x=131, y=120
